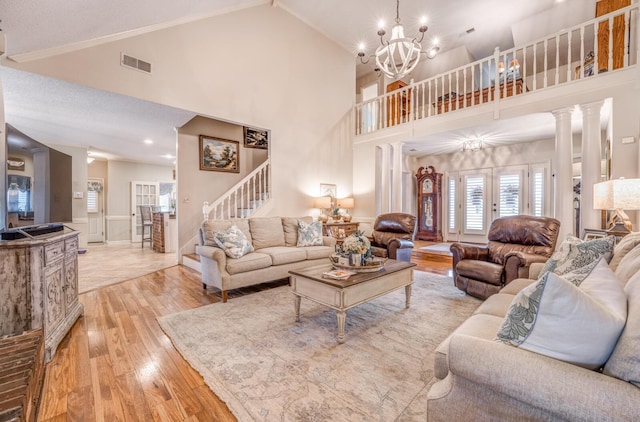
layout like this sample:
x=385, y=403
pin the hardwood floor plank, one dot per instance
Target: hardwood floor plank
x=117, y=364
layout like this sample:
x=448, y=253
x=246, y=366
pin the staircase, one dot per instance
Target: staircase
x=243, y=200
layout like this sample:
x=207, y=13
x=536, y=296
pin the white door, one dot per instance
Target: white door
x=142, y=193
x=95, y=211
x=476, y=215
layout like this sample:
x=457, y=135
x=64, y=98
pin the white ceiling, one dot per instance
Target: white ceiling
x=115, y=126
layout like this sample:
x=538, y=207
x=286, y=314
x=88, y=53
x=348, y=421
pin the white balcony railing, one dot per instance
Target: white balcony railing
x=604, y=44
x=244, y=198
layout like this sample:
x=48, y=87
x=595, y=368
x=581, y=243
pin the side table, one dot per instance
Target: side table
x=339, y=230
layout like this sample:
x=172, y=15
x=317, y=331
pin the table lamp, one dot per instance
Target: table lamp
x=346, y=204
x=618, y=195
x=323, y=203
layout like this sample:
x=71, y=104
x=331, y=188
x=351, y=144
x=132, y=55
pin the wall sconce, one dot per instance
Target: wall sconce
x=346, y=204
x=323, y=203
x=618, y=195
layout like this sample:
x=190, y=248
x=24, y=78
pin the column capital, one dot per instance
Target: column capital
x=563, y=112
x=591, y=107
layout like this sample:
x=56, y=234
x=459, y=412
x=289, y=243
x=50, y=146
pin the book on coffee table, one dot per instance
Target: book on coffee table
x=338, y=274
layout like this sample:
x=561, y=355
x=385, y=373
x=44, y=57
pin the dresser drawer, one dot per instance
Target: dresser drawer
x=53, y=252
x=71, y=245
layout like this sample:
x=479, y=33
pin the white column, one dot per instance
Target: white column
x=384, y=184
x=563, y=180
x=397, y=187
x=591, y=167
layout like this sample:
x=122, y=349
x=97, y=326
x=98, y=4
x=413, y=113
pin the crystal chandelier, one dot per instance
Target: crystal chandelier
x=472, y=145
x=399, y=55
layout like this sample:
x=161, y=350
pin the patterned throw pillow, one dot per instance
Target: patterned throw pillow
x=309, y=234
x=576, y=321
x=234, y=243
x=574, y=253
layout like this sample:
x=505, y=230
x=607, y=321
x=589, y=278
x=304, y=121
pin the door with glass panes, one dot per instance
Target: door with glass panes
x=474, y=198
x=142, y=193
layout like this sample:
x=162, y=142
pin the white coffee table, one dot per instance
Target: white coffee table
x=345, y=294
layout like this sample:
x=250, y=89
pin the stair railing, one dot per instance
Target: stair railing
x=244, y=198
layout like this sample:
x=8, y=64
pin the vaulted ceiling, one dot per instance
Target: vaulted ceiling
x=116, y=125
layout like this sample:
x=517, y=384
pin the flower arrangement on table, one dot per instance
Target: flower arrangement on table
x=355, y=246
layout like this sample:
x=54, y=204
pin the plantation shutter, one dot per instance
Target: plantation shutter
x=475, y=203
x=92, y=201
x=510, y=188
x=452, y=208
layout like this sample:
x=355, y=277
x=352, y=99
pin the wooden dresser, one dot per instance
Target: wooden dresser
x=39, y=289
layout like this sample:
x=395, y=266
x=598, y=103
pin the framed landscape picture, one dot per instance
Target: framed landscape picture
x=590, y=234
x=219, y=154
x=256, y=138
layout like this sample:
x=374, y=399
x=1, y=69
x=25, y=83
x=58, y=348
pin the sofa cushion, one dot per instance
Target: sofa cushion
x=623, y=247
x=496, y=305
x=249, y=262
x=309, y=234
x=516, y=285
x=281, y=255
x=209, y=227
x=574, y=253
x=318, y=252
x=234, y=243
x=266, y=232
x=624, y=362
x=480, y=270
x=578, y=322
x=290, y=227
x=481, y=326
x=629, y=265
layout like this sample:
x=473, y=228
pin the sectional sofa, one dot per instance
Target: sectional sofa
x=482, y=378
x=274, y=241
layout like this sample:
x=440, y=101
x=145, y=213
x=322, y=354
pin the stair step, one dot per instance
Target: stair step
x=192, y=261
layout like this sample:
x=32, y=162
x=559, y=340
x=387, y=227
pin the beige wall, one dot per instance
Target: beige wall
x=260, y=67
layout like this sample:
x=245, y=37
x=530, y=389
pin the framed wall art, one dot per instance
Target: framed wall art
x=15, y=163
x=590, y=234
x=219, y=154
x=256, y=138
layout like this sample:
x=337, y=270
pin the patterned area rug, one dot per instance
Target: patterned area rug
x=266, y=367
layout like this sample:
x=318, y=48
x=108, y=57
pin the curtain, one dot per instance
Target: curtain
x=94, y=185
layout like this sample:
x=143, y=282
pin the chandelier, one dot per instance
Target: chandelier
x=472, y=145
x=399, y=55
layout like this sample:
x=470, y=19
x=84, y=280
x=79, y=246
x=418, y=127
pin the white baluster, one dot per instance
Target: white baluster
x=557, y=75
x=569, y=43
x=596, y=29
x=610, y=61
x=205, y=211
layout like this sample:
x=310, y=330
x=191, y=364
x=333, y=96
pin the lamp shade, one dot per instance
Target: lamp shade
x=323, y=202
x=346, y=203
x=617, y=194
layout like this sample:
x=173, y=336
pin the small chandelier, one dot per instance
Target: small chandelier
x=472, y=145
x=398, y=56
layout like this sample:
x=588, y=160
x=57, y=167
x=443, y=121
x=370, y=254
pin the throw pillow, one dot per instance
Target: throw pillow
x=624, y=362
x=578, y=322
x=234, y=243
x=290, y=227
x=266, y=232
x=574, y=253
x=309, y=234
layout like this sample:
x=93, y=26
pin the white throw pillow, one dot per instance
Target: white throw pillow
x=577, y=322
x=629, y=265
x=574, y=253
x=309, y=234
x=234, y=243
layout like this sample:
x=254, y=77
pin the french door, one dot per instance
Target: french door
x=95, y=211
x=474, y=198
x=142, y=193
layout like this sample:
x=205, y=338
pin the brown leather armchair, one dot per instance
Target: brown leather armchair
x=514, y=244
x=393, y=236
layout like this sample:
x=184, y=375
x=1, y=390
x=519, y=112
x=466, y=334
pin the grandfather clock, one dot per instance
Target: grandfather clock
x=429, y=204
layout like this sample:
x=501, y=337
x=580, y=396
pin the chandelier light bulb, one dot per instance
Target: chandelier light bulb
x=381, y=24
x=423, y=20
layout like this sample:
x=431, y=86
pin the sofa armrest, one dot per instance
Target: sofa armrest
x=517, y=263
x=329, y=241
x=535, y=269
x=565, y=391
x=462, y=251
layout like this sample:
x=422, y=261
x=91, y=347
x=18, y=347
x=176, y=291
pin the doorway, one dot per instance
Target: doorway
x=95, y=210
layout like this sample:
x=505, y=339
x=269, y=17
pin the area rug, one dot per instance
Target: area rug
x=438, y=249
x=267, y=367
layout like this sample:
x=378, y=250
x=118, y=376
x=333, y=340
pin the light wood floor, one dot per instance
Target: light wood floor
x=117, y=364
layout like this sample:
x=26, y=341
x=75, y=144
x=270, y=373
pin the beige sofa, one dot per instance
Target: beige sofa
x=483, y=379
x=274, y=240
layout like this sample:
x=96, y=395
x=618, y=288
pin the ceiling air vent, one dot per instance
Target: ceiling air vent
x=134, y=63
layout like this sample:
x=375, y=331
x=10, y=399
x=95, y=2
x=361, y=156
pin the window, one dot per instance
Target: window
x=452, y=199
x=92, y=201
x=509, y=202
x=475, y=203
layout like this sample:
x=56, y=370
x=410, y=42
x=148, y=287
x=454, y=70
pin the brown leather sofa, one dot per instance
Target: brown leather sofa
x=393, y=236
x=514, y=243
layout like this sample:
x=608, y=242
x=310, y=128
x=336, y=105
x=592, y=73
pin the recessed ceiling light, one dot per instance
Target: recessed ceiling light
x=148, y=141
